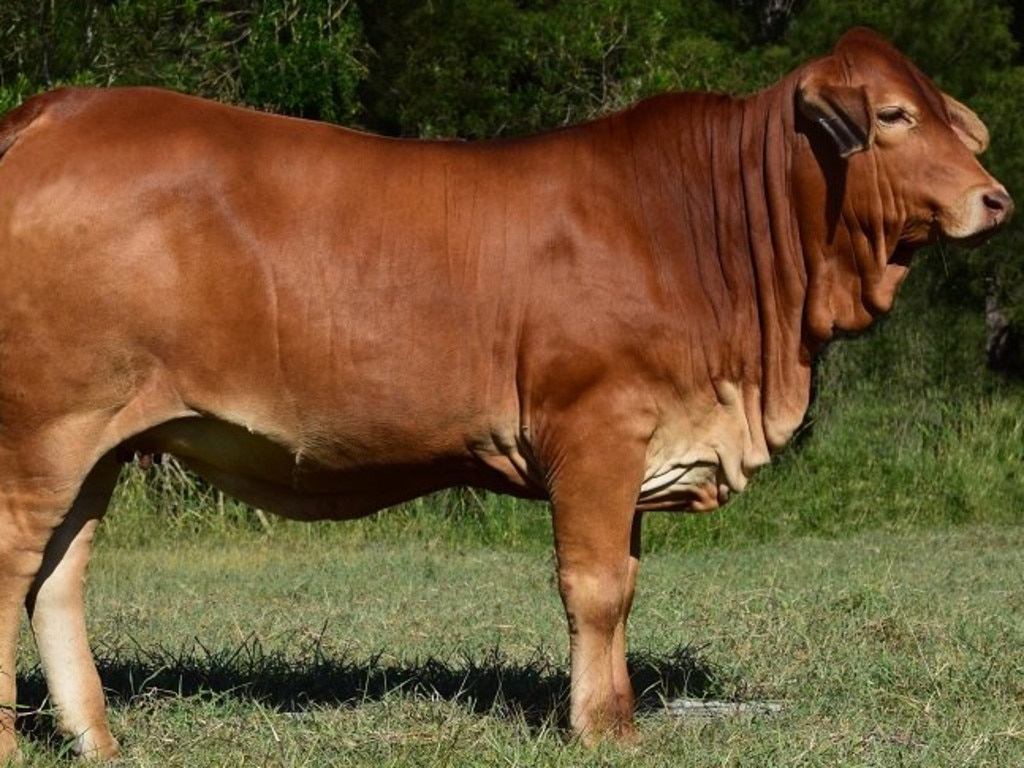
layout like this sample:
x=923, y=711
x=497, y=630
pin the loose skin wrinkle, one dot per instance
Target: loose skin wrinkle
x=618, y=317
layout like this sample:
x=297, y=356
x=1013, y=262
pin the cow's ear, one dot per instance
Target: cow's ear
x=842, y=111
x=967, y=125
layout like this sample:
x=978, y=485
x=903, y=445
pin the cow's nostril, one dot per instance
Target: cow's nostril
x=999, y=203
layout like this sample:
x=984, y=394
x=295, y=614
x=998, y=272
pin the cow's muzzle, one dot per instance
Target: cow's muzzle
x=979, y=213
x=998, y=204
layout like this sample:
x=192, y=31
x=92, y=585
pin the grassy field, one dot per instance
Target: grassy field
x=885, y=649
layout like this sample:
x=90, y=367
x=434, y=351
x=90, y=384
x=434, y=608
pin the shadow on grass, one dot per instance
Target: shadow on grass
x=535, y=690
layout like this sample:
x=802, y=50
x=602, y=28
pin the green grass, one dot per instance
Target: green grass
x=887, y=649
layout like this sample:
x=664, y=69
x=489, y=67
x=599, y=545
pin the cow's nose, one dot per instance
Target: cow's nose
x=999, y=204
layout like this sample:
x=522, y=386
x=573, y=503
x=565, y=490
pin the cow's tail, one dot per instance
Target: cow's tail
x=17, y=120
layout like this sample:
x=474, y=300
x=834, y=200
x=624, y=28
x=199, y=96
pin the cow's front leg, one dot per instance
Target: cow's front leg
x=56, y=608
x=625, y=699
x=597, y=542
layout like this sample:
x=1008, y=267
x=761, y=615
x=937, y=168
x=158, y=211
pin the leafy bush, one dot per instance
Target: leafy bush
x=304, y=58
x=483, y=68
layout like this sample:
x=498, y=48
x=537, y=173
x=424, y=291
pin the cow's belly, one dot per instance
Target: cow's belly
x=270, y=475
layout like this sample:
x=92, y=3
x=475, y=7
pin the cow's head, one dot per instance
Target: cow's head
x=899, y=160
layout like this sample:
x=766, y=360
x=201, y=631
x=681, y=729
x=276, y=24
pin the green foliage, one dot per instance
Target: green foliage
x=44, y=41
x=481, y=68
x=1002, y=261
x=304, y=59
x=449, y=68
x=957, y=42
x=281, y=55
x=109, y=42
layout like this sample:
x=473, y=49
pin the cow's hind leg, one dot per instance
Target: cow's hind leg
x=48, y=510
x=21, y=553
x=56, y=608
x=30, y=509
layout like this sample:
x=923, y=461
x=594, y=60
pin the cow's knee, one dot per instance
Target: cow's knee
x=598, y=559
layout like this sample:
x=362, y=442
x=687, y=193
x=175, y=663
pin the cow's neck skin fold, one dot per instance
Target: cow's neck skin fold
x=851, y=249
x=855, y=277
x=777, y=255
x=732, y=253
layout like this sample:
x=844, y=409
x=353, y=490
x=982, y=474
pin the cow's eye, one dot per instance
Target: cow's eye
x=891, y=117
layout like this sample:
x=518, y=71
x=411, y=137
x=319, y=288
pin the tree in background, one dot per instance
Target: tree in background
x=486, y=68
x=300, y=57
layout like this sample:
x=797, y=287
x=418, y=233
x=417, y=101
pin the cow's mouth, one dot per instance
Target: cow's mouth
x=976, y=239
x=973, y=240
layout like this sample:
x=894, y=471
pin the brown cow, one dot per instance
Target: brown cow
x=619, y=317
